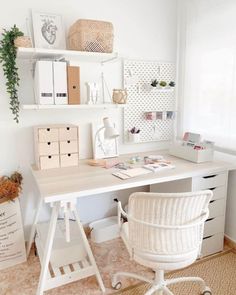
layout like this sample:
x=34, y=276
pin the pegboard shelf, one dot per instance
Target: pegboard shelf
x=162, y=89
x=148, y=87
x=145, y=98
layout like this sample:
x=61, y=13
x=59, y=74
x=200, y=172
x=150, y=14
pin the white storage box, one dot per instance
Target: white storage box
x=104, y=229
x=63, y=253
x=190, y=154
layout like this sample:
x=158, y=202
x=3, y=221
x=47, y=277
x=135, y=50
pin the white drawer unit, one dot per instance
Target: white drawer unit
x=212, y=244
x=219, y=192
x=56, y=146
x=216, y=208
x=69, y=146
x=69, y=160
x=214, y=227
x=209, y=181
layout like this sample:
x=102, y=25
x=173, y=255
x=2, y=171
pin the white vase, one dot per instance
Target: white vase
x=134, y=137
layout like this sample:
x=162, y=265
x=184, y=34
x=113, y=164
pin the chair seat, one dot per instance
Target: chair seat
x=155, y=261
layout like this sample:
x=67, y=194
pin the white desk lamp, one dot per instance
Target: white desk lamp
x=109, y=133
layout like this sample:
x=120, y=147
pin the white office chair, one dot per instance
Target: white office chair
x=164, y=232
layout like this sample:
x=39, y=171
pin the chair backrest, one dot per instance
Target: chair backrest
x=176, y=209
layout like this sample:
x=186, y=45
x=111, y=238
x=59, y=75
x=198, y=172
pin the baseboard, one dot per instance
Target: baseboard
x=230, y=242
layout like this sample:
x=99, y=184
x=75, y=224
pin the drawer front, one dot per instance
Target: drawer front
x=216, y=208
x=209, y=181
x=213, y=226
x=48, y=134
x=48, y=162
x=212, y=244
x=69, y=146
x=218, y=192
x=68, y=133
x=69, y=160
x=48, y=148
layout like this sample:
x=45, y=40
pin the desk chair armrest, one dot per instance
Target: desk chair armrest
x=197, y=222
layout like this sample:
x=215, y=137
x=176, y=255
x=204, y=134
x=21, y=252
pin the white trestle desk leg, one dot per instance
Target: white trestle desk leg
x=33, y=228
x=87, y=247
x=48, y=248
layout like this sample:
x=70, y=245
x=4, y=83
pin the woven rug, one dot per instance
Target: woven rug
x=219, y=273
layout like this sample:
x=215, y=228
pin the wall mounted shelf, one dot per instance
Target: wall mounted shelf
x=80, y=106
x=148, y=87
x=39, y=53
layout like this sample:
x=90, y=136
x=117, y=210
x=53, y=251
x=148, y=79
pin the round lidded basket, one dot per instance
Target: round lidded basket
x=23, y=41
x=120, y=96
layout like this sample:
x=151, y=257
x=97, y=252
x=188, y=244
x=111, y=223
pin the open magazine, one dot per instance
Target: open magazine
x=148, y=168
x=158, y=166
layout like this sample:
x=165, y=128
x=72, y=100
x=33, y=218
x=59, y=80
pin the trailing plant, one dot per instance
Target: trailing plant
x=8, y=53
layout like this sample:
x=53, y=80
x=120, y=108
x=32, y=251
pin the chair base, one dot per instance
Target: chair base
x=159, y=283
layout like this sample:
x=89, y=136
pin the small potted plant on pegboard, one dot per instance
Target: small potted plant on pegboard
x=134, y=135
x=154, y=83
x=163, y=84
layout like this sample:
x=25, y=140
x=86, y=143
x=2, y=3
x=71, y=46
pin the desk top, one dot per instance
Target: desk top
x=84, y=180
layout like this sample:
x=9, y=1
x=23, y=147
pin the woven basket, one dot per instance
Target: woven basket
x=23, y=41
x=91, y=35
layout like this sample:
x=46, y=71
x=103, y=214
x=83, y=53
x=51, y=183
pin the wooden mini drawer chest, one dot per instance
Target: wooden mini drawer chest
x=56, y=146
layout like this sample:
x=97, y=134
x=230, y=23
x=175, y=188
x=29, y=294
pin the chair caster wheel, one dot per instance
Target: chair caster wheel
x=207, y=291
x=116, y=286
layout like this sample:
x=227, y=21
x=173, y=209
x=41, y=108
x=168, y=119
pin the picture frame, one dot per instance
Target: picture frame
x=104, y=148
x=48, y=31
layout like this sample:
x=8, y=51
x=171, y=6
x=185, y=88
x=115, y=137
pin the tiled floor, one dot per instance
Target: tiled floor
x=111, y=256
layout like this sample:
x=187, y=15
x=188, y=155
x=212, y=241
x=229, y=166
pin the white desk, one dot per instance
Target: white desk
x=61, y=187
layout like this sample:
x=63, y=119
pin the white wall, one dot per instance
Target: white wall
x=186, y=12
x=143, y=30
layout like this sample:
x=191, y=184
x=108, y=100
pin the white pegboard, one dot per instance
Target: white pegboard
x=137, y=76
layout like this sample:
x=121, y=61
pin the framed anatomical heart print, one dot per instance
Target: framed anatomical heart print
x=48, y=31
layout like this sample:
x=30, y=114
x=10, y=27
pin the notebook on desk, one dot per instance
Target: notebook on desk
x=129, y=173
x=158, y=166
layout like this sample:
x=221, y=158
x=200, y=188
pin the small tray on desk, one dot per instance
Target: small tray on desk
x=190, y=154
